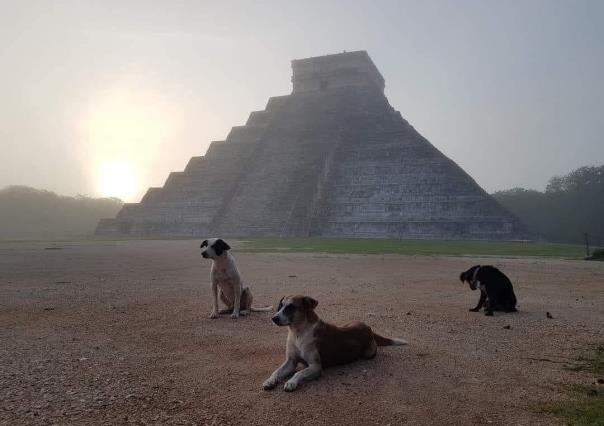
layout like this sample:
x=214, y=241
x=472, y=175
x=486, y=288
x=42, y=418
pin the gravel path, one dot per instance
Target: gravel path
x=118, y=333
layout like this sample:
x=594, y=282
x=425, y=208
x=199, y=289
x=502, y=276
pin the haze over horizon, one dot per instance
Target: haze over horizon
x=106, y=98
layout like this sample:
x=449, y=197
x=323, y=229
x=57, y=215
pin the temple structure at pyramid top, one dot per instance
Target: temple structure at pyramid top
x=334, y=71
x=332, y=159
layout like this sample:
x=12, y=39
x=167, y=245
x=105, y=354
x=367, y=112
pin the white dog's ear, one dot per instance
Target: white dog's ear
x=309, y=302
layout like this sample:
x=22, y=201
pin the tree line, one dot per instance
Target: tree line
x=28, y=213
x=570, y=206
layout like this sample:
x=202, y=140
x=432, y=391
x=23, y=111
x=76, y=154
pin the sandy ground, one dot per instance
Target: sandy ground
x=118, y=333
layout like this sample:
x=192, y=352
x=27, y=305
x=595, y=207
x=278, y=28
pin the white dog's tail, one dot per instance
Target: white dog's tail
x=386, y=341
x=263, y=309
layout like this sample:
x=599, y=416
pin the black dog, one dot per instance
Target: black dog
x=496, y=291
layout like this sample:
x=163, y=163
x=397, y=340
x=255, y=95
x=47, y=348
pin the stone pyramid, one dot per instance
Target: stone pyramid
x=333, y=159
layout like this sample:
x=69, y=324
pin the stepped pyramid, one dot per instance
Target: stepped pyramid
x=333, y=159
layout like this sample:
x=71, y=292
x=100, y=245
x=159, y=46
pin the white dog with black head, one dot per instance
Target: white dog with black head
x=227, y=281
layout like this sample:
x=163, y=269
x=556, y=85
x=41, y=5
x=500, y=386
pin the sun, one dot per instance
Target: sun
x=127, y=130
x=119, y=179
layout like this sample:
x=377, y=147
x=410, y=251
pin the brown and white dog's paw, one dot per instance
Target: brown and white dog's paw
x=214, y=315
x=235, y=315
x=290, y=386
x=269, y=384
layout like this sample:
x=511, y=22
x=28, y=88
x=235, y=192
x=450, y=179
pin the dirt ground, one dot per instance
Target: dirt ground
x=118, y=333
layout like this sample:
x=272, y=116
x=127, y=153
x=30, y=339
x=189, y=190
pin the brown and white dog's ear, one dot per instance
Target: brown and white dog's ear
x=309, y=302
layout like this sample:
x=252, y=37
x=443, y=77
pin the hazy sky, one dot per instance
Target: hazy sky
x=108, y=97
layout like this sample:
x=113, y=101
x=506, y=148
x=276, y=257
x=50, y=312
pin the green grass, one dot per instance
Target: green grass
x=587, y=405
x=355, y=246
x=586, y=409
x=592, y=361
x=413, y=247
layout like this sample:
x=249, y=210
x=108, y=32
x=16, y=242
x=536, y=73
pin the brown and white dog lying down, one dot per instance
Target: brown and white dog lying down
x=317, y=344
x=227, y=281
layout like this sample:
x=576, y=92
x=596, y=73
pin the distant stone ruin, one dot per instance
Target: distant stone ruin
x=333, y=159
